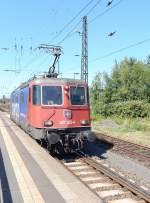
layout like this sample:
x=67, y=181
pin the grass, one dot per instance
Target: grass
x=136, y=130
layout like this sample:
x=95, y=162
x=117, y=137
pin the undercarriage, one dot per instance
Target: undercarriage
x=67, y=140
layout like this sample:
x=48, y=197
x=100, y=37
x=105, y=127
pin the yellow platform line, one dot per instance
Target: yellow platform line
x=28, y=189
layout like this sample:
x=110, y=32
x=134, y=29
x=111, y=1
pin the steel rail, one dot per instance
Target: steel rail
x=121, y=140
x=131, y=149
x=119, y=179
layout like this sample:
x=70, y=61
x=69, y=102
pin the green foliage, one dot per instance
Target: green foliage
x=96, y=89
x=136, y=125
x=126, y=92
x=132, y=109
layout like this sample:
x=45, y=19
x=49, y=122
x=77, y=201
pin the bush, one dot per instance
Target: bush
x=131, y=109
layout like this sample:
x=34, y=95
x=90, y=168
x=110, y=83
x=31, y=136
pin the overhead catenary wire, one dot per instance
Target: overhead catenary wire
x=121, y=49
x=72, y=20
x=69, y=33
x=95, y=18
x=95, y=5
x=31, y=61
x=105, y=11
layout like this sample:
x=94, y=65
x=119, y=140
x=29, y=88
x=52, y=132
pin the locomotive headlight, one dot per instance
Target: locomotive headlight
x=48, y=123
x=84, y=122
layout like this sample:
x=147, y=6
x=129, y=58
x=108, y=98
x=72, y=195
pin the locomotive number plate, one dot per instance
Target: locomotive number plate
x=67, y=122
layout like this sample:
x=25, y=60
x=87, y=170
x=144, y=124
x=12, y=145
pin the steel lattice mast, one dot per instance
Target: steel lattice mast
x=84, y=58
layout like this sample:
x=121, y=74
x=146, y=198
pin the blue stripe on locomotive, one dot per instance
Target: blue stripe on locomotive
x=23, y=105
x=19, y=105
x=15, y=106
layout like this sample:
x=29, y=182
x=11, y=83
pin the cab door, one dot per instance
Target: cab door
x=34, y=114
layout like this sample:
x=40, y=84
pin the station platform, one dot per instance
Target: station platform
x=29, y=174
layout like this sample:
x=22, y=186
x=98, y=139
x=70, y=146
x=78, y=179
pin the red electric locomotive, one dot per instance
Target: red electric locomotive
x=53, y=111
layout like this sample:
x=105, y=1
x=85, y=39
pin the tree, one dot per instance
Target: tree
x=96, y=92
x=129, y=81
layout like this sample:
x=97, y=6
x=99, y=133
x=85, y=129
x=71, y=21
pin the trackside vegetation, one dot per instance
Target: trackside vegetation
x=124, y=93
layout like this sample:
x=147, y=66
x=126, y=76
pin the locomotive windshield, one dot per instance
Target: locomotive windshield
x=77, y=95
x=52, y=95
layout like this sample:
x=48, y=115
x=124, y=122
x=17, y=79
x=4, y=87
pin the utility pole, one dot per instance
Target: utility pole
x=84, y=57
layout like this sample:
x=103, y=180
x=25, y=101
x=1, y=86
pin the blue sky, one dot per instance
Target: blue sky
x=31, y=22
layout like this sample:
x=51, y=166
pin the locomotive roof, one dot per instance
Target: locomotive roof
x=57, y=80
x=50, y=81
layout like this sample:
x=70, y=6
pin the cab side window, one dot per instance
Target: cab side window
x=36, y=95
x=16, y=99
x=22, y=97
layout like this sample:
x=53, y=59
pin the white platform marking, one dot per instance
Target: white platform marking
x=28, y=189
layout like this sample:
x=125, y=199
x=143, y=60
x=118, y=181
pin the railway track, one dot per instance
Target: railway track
x=110, y=186
x=135, y=151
